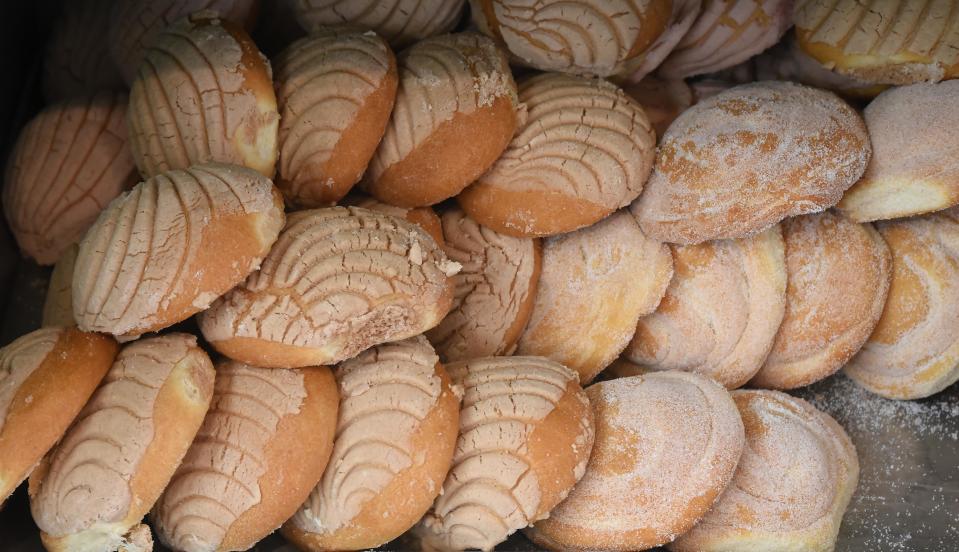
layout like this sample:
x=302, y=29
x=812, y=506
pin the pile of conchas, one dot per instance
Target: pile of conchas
x=369, y=286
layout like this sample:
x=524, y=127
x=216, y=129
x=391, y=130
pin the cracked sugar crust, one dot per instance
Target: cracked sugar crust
x=169, y=247
x=401, y=22
x=203, y=93
x=493, y=293
x=727, y=33
x=838, y=276
x=526, y=431
x=335, y=90
x=68, y=163
x=338, y=281
x=596, y=284
x=77, y=61
x=135, y=25
x=592, y=37
x=738, y=162
x=585, y=145
x=88, y=480
x=914, y=168
x=666, y=446
x=662, y=100
x=721, y=311
x=882, y=42
x=797, y=474
x=914, y=350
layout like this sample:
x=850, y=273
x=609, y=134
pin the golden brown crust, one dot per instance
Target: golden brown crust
x=528, y=213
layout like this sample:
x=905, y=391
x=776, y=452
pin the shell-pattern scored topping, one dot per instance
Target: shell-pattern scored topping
x=58, y=304
x=219, y=478
x=323, y=83
x=385, y=394
x=203, y=93
x=583, y=138
x=740, y=161
x=77, y=61
x=150, y=260
x=135, y=24
x=493, y=293
x=793, y=483
x=67, y=164
x=721, y=311
x=92, y=469
x=19, y=359
x=914, y=350
x=590, y=37
x=726, y=33
x=340, y=279
x=493, y=488
x=882, y=41
x=401, y=22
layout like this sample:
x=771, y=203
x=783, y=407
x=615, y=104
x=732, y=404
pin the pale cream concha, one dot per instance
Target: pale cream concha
x=337, y=281
x=401, y=22
x=46, y=376
x=58, y=303
x=526, y=432
x=424, y=217
x=915, y=162
x=165, y=250
x=456, y=111
x=335, y=91
x=585, y=150
x=795, y=479
x=398, y=423
x=666, y=447
x=596, y=284
x=738, y=162
x=885, y=42
x=91, y=492
x=838, y=274
x=135, y=25
x=76, y=61
x=203, y=93
x=262, y=448
x=68, y=163
x=914, y=350
x=721, y=311
x=493, y=293
x=725, y=33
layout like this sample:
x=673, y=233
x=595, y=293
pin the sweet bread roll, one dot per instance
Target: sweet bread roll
x=337, y=282
x=882, y=42
x=58, y=304
x=596, y=284
x=46, y=376
x=721, y=311
x=401, y=22
x=914, y=350
x=335, y=91
x=622, y=367
x=262, y=447
x=741, y=161
x=76, y=61
x=838, y=274
x=455, y=113
x=424, y=217
x=165, y=250
x=662, y=100
x=203, y=93
x=66, y=166
x=593, y=37
x=113, y=463
x=135, y=25
x=797, y=474
x=585, y=151
x=493, y=293
x=526, y=431
x=666, y=446
x=915, y=164
x=726, y=33
x=394, y=444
